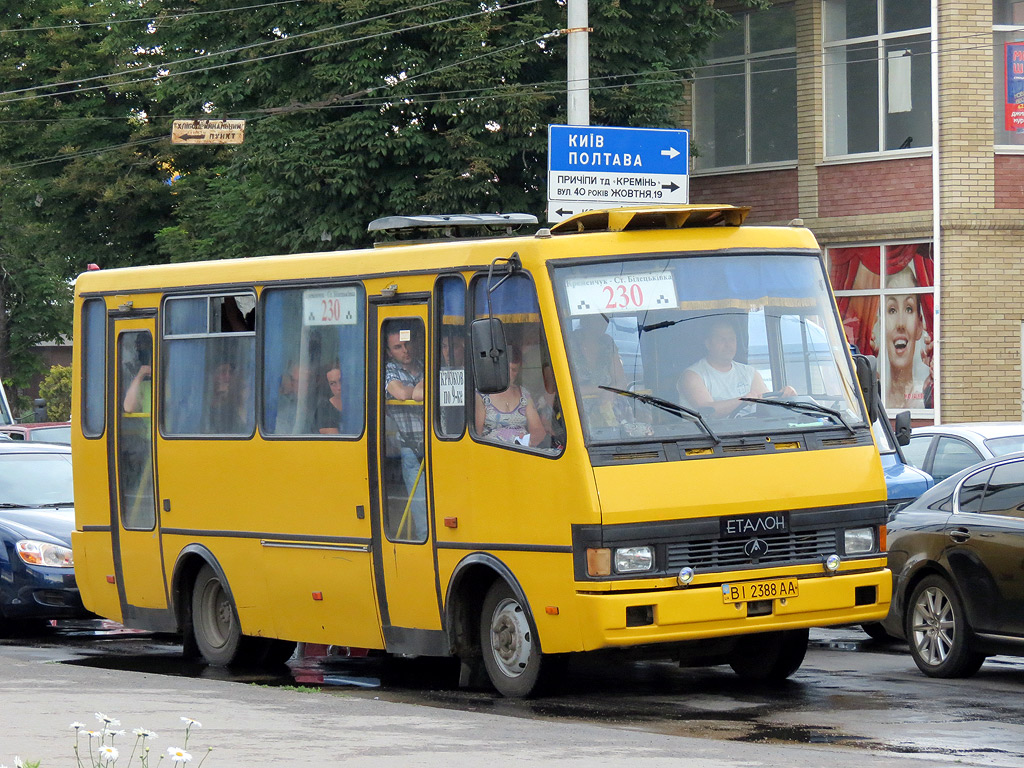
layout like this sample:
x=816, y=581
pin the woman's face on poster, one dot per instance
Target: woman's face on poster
x=903, y=328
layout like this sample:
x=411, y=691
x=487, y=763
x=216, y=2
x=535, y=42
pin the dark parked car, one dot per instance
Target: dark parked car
x=37, y=579
x=955, y=555
x=43, y=432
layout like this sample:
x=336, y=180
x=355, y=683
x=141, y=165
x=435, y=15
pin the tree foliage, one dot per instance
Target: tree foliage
x=355, y=109
x=56, y=390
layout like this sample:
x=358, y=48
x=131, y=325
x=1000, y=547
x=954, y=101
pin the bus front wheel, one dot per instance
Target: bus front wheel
x=769, y=657
x=511, y=654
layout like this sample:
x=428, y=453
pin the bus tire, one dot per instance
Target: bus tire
x=769, y=657
x=510, y=649
x=215, y=625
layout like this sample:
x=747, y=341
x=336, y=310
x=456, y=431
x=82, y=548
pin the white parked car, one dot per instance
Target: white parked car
x=944, y=450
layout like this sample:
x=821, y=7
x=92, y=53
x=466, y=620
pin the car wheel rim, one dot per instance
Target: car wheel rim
x=933, y=624
x=511, y=639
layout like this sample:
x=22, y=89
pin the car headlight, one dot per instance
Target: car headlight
x=44, y=553
x=634, y=559
x=859, y=541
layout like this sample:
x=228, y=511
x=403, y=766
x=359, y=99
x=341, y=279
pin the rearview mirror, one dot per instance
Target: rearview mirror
x=867, y=377
x=903, y=428
x=490, y=356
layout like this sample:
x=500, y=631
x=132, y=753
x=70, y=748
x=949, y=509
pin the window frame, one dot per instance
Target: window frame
x=748, y=60
x=165, y=339
x=261, y=357
x=881, y=39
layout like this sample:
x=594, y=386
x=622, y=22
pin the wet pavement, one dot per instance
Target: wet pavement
x=853, y=693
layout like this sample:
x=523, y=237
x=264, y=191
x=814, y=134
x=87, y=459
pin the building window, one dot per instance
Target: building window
x=885, y=295
x=1008, y=65
x=745, y=98
x=877, y=76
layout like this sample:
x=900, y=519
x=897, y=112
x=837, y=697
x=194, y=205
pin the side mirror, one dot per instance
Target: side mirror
x=490, y=356
x=903, y=428
x=867, y=377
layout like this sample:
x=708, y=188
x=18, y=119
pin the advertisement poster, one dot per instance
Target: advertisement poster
x=887, y=312
x=1015, y=87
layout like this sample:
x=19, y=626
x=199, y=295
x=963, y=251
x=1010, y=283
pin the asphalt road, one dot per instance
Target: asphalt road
x=854, y=703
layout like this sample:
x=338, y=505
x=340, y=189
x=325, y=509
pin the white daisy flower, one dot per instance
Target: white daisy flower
x=77, y=725
x=115, y=733
x=190, y=722
x=108, y=754
x=178, y=755
x=107, y=720
x=142, y=733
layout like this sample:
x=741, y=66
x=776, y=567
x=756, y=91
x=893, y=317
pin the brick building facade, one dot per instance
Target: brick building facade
x=854, y=80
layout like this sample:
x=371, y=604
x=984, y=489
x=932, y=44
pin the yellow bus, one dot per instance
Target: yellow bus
x=639, y=428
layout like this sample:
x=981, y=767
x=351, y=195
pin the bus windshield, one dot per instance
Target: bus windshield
x=705, y=346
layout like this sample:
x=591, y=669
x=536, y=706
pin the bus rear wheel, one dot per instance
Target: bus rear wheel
x=769, y=657
x=511, y=652
x=218, y=633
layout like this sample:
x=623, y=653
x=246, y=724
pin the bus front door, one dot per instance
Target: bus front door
x=402, y=534
x=138, y=555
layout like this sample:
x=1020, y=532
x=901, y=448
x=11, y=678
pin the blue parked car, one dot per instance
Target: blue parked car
x=37, y=515
x=903, y=481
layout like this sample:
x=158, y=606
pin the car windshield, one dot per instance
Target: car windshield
x=51, y=435
x=643, y=335
x=1000, y=446
x=35, y=479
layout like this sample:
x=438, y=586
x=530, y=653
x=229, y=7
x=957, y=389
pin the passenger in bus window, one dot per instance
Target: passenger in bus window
x=717, y=380
x=549, y=409
x=292, y=411
x=227, y=411
x=510, y=416
x=598, y=364
x=327, y=416
x=138, y=398
x=403, y=381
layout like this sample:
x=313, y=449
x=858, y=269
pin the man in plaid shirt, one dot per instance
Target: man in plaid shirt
x=403, y=380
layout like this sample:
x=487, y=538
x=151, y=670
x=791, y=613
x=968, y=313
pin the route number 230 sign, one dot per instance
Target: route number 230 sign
x=621, y=293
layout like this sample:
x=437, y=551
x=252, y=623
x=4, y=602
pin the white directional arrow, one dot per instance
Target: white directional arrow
x=671, y=152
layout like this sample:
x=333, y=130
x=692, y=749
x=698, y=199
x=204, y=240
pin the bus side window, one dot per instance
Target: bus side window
x=450, y=405
x=94, y=340
x=529, y=412
x=314, y=361
x=209, y=366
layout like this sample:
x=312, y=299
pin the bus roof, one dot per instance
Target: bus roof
x=635, y=230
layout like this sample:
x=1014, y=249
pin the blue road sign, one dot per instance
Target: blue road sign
x=611, y=167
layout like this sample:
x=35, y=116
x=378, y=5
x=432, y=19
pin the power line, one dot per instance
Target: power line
x=149, y=19
x=166, y=64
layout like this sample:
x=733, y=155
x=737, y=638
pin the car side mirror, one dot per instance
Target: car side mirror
x=867, y=377
x=903, y=428
x=490, y=356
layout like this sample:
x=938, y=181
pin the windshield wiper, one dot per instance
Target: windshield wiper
x=667, y=405
x=798, y=405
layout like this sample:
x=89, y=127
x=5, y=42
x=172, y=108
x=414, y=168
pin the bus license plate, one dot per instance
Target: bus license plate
x=759, y=590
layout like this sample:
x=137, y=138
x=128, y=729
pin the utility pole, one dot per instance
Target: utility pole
x=578, y=52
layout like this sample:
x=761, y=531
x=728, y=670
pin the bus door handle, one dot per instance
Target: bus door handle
x=959, y=535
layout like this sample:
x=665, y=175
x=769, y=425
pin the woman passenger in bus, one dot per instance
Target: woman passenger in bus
x=327, y=416
x=717, y=381
x=510, y=416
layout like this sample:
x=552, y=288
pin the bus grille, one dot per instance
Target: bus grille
x=783, y=548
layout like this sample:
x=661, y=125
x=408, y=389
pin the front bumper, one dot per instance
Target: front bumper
x=698, y=611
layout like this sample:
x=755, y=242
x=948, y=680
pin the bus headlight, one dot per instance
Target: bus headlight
x=45, y=553
x=634, y=559
x=859, y=541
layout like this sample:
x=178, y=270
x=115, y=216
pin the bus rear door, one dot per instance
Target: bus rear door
x=136, y=531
